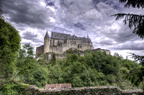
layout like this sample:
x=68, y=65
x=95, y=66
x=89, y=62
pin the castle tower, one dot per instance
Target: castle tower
x=46, y=43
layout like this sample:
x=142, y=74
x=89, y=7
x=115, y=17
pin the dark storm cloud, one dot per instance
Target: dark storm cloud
x=26, y=12
x=130, y=46
x=123, y=35
x=49, y=2
x=79, y=25
x=79, y=17
x=83, y=15
x=105, y=42
x=31, y=36
x=94, y=17
x=123, y=39
x=62, y=30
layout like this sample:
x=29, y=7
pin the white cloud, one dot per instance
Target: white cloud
x=51, y=8
x=43, y=4
x=52, y=19
x=77, y=17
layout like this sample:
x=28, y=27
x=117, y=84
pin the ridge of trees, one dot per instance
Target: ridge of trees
x=92, y=69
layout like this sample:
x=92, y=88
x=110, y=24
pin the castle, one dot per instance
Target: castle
x=58, y=43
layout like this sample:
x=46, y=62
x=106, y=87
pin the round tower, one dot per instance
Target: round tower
x=46, y=43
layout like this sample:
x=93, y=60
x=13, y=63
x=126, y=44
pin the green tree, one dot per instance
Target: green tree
x=92, y=69
x=28, y=69
x=10, y=43
x=0, y=8
x=137, y=74
x=25, y=63
x=135, y=21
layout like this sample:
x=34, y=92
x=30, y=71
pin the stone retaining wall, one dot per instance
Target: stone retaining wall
x=103, y=90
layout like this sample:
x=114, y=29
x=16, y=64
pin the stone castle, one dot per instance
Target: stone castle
x=58, y=43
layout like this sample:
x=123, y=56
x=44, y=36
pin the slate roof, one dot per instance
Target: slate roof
x=68, y=36
x=60, y=35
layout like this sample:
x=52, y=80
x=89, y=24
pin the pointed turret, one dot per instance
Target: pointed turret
x=46, y=43
x=46, y=35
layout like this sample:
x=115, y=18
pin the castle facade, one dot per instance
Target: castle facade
x=58, y=43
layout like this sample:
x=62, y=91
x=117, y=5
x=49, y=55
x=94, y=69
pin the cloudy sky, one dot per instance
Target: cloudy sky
x=32, y=18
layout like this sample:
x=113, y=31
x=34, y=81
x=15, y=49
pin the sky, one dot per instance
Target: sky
x=32, y=18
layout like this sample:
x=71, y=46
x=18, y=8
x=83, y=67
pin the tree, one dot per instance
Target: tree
x=10, y=43
x=28, y=69
x=136, y=21
x=0, y=8
x=133, y=20
x=26, y=64
x=137, y=75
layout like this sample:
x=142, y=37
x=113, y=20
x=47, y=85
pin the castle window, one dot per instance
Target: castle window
x=63, y=87
x=79, y=46
x=52, y=88
x=73, y=42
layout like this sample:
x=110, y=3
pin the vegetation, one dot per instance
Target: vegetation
x=94, y=69
x=137, y=22
x=28, y=69
x=10, y=43
x=133, y=20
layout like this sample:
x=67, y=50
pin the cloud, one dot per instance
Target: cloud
x=27, y=12
x=79, y=17
x=94, y=17
x=79, y=25
x=49, y=2
x=130, y=45
x=31, y=36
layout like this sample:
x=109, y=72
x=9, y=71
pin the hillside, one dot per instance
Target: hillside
x=95, y=68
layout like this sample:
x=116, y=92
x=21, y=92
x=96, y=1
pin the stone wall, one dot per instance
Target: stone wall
x=39, y=51
x=103, y=90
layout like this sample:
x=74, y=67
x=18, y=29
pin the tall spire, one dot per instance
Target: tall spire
x=46, y=35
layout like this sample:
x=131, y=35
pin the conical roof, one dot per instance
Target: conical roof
x=46, y=35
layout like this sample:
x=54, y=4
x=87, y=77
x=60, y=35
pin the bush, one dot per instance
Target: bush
x=12, y=88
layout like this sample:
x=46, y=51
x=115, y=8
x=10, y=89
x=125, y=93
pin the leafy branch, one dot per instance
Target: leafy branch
x=133, y=20
x=133, y=3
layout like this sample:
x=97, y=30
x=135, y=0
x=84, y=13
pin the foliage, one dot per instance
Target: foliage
x=133, y=3
x=10, y=43
x=12, y=88
x=28, y=69
x=0, y=8
x=137, y=75
x=53, y=60
x=136, y=21
x=133, y=20
x=71, y=51
x=93, y=69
